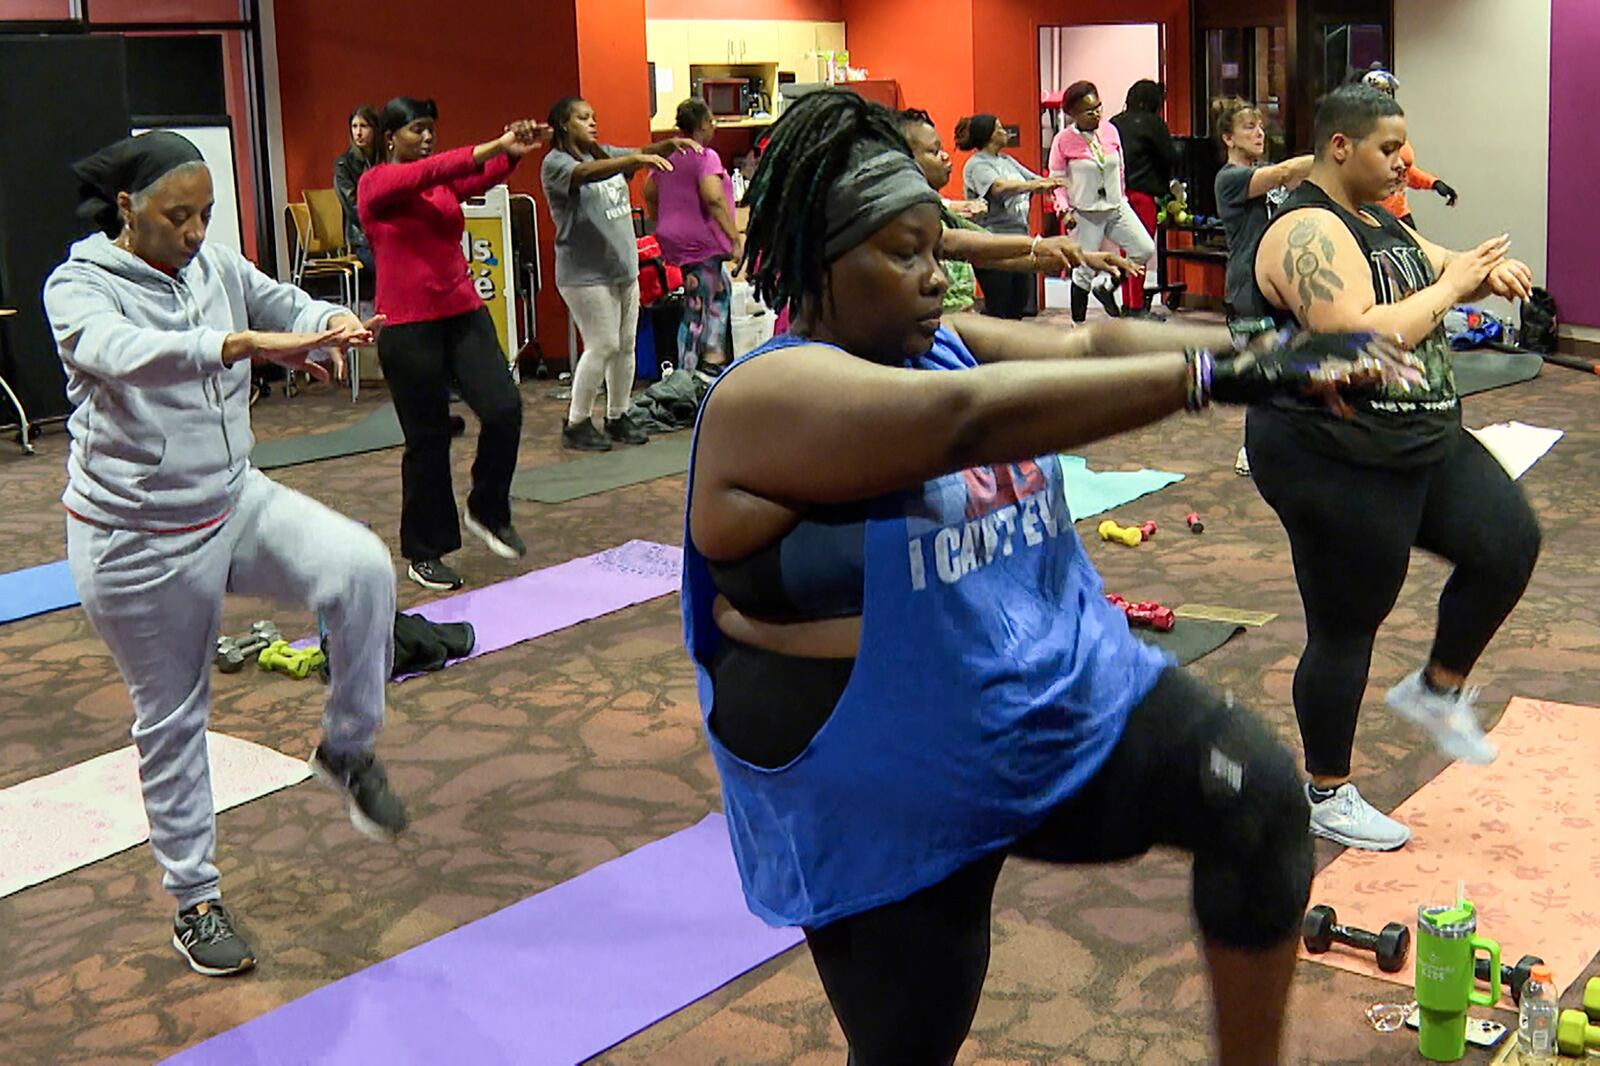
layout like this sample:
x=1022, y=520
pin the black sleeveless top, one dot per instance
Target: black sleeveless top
x=1395, y=428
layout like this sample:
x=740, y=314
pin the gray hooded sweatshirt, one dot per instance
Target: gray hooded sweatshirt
x=161, y=431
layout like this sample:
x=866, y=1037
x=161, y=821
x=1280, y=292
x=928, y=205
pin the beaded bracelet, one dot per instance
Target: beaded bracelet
x=1198, y=394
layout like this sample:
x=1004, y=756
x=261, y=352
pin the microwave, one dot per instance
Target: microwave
x=727, y=97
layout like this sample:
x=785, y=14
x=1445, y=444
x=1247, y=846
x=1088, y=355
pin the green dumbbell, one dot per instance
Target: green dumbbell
x=1591, y=999
x=1574, y=1034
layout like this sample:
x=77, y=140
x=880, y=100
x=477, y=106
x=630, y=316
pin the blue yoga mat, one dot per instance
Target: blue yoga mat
x=550, y=981
x=36, y=590
x=1091, y=492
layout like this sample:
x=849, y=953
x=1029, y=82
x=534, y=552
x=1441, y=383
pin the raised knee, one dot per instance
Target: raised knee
x=1253, y=874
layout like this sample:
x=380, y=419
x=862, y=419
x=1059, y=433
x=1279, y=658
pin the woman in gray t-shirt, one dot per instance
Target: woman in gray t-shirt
x=597, y=264
x=1008, y=187
x=1248, y=194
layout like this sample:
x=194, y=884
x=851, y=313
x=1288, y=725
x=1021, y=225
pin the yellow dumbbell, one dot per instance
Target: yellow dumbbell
x=1131, y=536
x=297, y=664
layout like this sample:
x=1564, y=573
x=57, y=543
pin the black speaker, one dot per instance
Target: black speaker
x=62, y=98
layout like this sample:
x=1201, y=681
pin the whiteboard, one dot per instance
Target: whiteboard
x=216, y=148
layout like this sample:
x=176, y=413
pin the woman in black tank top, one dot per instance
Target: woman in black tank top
x=1356, y=494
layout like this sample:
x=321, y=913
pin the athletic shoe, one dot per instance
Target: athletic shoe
x=1241, y=463
x=583, y=437
x=204, y=935
x=1345, y=818
x=625, y=430
x=1104, y=290
x=373, y=807
x=503, y=541
x=1448, y=719
x=434, y=574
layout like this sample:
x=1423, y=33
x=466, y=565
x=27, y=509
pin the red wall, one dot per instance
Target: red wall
x=611, y=68
x=807, y=10
x=325, y=70
x=934, y=67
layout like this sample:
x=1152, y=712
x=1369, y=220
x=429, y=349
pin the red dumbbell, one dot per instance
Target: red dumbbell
x=1152, y=614
x=1195, y=525
x=1148, y=529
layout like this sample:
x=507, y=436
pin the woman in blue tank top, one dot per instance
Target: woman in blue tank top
x=908, y=667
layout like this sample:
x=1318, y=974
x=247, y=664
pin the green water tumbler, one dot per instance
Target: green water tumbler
x=1447, y=940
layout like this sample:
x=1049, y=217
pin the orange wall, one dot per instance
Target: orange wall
x=324, y=71
x=934, y=65
x=612, y=74
x=812, y=10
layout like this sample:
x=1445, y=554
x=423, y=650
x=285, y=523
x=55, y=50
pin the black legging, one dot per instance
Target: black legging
x=1191, y=771
x=420, y=361
x=1351, y=530
x=1005, y=292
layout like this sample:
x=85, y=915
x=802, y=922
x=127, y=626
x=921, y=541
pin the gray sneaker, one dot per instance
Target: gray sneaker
x=1449, y=720
x=1345, y=818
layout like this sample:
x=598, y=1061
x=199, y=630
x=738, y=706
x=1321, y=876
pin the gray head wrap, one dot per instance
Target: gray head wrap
x=878, y=184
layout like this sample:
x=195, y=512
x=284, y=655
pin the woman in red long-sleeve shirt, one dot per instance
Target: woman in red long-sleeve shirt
x=439, y=331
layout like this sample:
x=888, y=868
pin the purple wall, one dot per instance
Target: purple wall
x=1574, y=233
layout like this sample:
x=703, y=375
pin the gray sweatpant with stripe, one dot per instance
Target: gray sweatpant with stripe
x=156, y=600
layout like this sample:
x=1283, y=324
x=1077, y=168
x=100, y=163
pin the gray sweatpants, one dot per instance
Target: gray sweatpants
x=156, y=600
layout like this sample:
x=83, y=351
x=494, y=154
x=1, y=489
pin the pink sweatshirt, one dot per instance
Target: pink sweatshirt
x=1071, y=158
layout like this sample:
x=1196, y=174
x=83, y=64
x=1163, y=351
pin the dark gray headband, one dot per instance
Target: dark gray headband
x=879, y=184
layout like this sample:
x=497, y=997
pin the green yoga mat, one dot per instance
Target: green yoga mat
x=624, y=465
x=1191, y=638
x=1482, y=371
x=379, y=430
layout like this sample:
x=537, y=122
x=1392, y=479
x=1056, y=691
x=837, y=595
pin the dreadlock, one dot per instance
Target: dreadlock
x=808, y=152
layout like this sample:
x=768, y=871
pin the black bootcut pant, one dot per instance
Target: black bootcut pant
x=420, y=361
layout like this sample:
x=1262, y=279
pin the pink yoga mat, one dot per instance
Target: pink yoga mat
x=1519, y=832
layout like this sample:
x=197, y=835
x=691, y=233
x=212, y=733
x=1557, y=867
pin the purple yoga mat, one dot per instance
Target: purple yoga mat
x=556, y=597
x=555, y=979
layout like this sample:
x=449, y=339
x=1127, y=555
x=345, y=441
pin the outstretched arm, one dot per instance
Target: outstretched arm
x=994, y=340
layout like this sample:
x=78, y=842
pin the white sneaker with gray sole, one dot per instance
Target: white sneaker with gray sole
x=1345, y=818
x=1449, y=720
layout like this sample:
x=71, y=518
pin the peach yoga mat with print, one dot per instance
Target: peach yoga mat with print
x=1521, y=833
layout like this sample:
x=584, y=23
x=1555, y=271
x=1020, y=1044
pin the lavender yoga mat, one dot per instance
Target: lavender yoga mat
x=556, y=597
x=550, y=981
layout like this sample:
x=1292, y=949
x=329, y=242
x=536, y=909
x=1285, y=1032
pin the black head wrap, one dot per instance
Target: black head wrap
x=980, y=128
x=131, y=165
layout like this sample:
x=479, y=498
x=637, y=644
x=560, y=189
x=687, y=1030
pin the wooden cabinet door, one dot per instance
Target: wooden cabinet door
x=756, y=41
x=712, y=42
x=797, y=45
x=666, y=44
x=830, y=36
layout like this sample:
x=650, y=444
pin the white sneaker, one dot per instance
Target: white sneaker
x=1241, y=463
x=1345, y=818
x=1448, y=719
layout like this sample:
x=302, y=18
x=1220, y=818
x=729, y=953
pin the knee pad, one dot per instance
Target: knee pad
x=1252, y=869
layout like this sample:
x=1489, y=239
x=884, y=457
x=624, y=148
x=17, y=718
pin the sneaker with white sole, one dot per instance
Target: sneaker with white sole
x=1241, y=462
x=372, y=805
x=204, y=935
x=502, y=540
x=1346, y=818
x=1449, y=719
x=433, y=574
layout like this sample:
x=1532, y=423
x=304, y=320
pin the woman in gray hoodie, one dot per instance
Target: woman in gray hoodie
x=165, y=513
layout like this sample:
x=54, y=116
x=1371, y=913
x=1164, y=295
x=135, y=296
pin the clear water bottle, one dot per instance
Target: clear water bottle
x=1536, y=1018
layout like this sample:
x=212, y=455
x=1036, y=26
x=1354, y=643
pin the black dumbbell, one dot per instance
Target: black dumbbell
x=1321, y=930
x=1513, y=977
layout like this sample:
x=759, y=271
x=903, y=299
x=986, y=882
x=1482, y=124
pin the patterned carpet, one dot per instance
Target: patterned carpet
x=527, y=767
